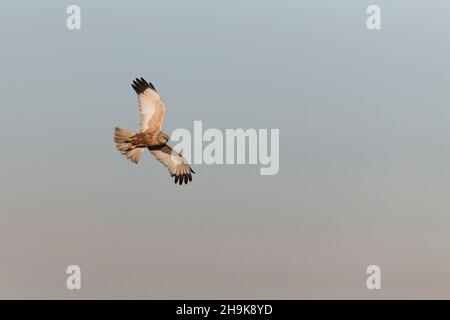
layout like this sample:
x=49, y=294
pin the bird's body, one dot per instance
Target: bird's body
x=150, y=136
x=149, y=139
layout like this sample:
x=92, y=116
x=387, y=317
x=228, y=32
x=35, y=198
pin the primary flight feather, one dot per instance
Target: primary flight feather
x=150, y=136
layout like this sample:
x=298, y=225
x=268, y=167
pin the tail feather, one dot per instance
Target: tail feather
x=121, y=138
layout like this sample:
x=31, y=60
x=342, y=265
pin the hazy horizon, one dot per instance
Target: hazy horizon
x=364, y=173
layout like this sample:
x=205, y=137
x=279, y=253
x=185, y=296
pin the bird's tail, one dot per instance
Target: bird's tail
x=125, y=147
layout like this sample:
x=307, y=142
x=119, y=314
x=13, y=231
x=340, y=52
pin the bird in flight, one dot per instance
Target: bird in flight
x=150, y=136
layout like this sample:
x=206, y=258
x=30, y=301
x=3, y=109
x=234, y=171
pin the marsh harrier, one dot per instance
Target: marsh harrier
x=150, y=136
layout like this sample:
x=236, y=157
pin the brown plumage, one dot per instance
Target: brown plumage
x=150, y=136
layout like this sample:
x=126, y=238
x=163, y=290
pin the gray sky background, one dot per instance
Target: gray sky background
x=364, y=150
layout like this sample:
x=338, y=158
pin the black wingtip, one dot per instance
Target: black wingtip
x=182, y=178
x=140, y=85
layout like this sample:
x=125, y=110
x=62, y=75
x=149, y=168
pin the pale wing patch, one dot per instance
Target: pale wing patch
x=150, y=105
x=174, y=162
x=147, y=109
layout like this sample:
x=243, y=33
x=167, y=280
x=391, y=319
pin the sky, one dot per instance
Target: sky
x=364, y=174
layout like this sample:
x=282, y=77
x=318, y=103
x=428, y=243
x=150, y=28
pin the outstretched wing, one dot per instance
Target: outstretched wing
x=174, y=162
x=150, y=105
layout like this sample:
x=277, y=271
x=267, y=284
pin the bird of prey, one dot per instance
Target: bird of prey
x=150, y=136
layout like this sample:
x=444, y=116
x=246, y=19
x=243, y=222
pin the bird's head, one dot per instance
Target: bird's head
x=163, y=138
